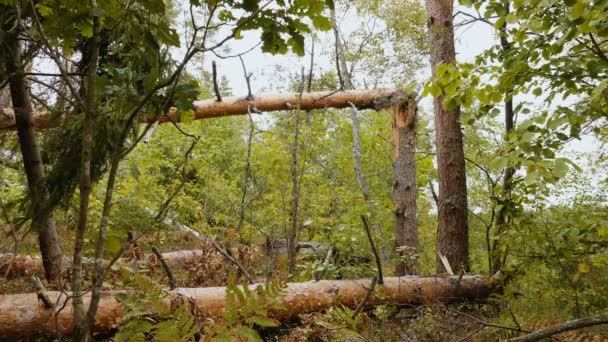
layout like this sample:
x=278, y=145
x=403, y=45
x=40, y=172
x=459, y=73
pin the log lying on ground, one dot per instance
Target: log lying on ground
x=22, y=315
x=15, y=265
x=279, y=247
x=362, y=99
x=562, y=327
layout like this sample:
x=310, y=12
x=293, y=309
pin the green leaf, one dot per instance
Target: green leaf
x=434, y=89
x=560, y=169
x=264, y=321
x=577, y=10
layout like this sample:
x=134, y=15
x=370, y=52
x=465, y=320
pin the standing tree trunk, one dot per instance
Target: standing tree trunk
x=496, y=256
x=42, y=218
x=404, y=188
x=292, y=234
x=82, y=326
x=452, y=232
x=346, y=83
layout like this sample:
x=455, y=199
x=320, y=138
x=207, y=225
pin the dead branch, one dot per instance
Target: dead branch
x=166, y=267
x=562, y=327
x=374, y=250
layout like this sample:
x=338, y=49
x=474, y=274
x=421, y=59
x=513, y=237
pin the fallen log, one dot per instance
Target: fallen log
x=22, y=315
x=362, y=99
x=562, y=327
x=15, y=265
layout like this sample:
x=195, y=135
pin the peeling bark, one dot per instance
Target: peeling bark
x=404, y=187
x=362, y=99
x=22, y=315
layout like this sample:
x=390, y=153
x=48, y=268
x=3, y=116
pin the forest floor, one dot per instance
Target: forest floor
x=432, y=322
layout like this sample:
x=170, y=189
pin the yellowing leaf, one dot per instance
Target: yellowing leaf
x=577, y=10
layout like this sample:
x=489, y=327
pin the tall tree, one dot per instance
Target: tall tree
x=42, y=218
x=453, y=230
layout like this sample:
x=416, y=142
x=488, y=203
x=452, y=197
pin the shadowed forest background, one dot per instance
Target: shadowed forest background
x=128, y=163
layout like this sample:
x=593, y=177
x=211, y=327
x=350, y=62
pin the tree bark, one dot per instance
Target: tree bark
x=14, y=266
x=560, y=328
x=292, y=234
x=42, y=219
x=23, y=316
x=362, y=99
x=404, y=187
x=346, y=83
x=82, y=326
x=452, y=231
x=497, y=258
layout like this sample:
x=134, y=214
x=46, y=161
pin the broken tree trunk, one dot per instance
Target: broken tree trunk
x=362, y=99
x=22, y=315
x=404, y=188
x=14, y=265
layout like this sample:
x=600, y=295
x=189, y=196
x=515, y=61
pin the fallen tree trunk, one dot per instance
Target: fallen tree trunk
x=362, y=99
x=562, y=327
x=22, y=315
x=15, y=265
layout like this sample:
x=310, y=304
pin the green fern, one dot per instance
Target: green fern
x=148, y=317
x=246, y=310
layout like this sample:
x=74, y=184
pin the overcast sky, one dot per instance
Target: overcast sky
x=470, y=42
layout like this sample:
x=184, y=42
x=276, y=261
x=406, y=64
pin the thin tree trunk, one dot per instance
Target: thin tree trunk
x=343, y=73
x=501, y=223
x=404, y=188
x=22, y=315
x=453, y=235
x=347, y=84
x=246, y=176
x=81, y=328
x=295, y=198
x=101, y=239
x=42, y=220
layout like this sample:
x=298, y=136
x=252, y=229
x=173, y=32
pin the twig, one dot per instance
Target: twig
x=473, y=333
x=10, y=223
x=216, y=87
x=40, y=292
x=247, y=169
x=435, y=198
x=514, y=318
x=361, y=305
x=484, y=323
x=376, y=255
x=166, y=267
x=312, y=64
x=231, y=259
x=247, y=80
